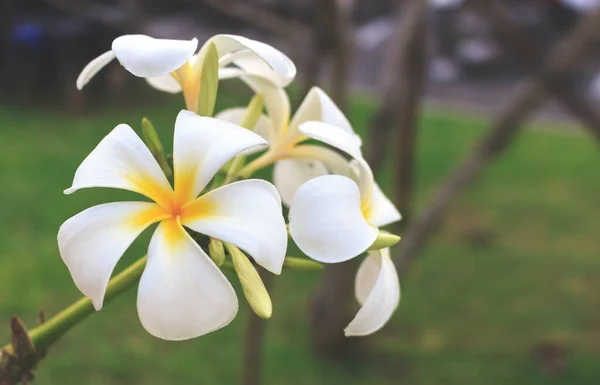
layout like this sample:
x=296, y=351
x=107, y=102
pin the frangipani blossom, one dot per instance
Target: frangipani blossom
x=182, y=294
x=377, y=290
x=173, y=66
x=295, y=162
x=334, y=218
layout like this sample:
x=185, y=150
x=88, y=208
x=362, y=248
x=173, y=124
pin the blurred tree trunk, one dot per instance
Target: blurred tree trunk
x=6, y=22
x=559, y=65
x=402, y=85
x=334, y=304
x=515, y=39
x=254, y=340
x=331, y=41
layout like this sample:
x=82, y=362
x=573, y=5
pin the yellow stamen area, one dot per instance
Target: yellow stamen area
x=367, y=209
x=147, y=186
x=173, y=232
x=147, y=217
x=185, y=183
x=201, y=207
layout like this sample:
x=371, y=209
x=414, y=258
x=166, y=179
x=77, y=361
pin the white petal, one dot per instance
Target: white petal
x=145, y=56
x=349, y=143
x=91, y=242
x=381, y=211
x=290, y=174
x=275, y=59
x=165, y=83
x=378, y=289
x=202, y=145
x=93, y=67
x=263, y=126
x=276, y=100
x=247, y=214
x=326, y=221
x=182, y=293
x=334, y=136
x=318, y=106
x=122, y=160
x=332, y=160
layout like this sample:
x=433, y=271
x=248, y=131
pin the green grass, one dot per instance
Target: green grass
x=516, y=264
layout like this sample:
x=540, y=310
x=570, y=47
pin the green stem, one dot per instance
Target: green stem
x=259, y=163
x=46, y=334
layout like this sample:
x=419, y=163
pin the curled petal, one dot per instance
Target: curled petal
x=378, y=291
x=318, y=106
x=326, y=220
x=201, y=147
x=276, y=100
x=92, y=242
x=121, y=160
x=246, y=214
x=165, y=83
x=334, y=136
x=93, y=67
x=380, y=211
x=290, y=174
x=145, y=56
x=283, y=67
x=182, y=293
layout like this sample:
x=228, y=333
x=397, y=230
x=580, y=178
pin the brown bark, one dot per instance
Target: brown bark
x=254, y=339
x=515, y=39
x=561, y=61
x=333, y=306
x=331, y=310
x=401, y=87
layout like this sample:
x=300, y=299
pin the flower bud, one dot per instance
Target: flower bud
x=155, y=146
x=253, y=112
x=216, y=251
x=301, y=264
x=254, y=289
x=384, y=240
x=209, y=81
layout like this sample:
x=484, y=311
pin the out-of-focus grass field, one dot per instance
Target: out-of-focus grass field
x=511, y=277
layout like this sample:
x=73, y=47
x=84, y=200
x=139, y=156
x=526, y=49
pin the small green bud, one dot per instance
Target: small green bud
x=254, y=289
x=302, y=264
x=155, y=146
x=383, y=240
x=253, y=112
x=209, y=81
x=216, y=251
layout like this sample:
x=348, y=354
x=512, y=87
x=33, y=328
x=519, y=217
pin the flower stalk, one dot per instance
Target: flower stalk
x=43, y=336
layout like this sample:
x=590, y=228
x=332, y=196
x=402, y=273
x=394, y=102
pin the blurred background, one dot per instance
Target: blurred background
x=481, y=119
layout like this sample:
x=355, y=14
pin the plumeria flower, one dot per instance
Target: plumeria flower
x=173, y=66
x=377, y=290
x=334, y=218
x=295, y=161
x=182, y=294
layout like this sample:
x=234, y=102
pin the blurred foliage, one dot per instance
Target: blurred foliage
x=505, y=293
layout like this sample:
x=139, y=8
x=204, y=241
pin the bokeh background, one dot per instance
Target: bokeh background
x=504, y=287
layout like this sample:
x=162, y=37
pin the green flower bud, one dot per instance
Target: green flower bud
x=384, y=240
x=209, y=81
x=254, y=289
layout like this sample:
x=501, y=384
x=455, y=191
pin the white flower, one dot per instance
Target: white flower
x=295, y=161
x=334, y=218
x=182, y=294
x=172, y=65
x=377, y=289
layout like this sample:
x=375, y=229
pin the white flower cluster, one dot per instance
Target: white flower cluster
x=335, y=207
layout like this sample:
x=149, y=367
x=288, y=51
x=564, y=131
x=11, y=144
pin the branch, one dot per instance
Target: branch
x=514, y=38
x=531, y=94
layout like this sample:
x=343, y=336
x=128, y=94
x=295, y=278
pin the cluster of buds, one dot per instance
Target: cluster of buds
x=211, y=214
